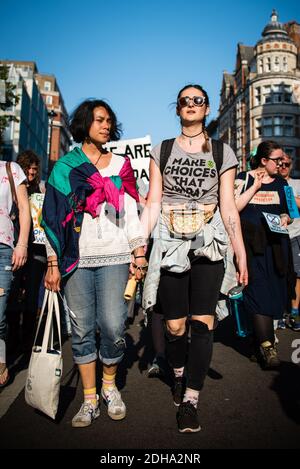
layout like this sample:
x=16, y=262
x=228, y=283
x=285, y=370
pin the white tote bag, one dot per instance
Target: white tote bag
x=46, y=363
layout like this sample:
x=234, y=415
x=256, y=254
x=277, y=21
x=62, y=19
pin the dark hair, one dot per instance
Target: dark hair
x=264, y=150
x=83, y=117
x=206, y=146
x=28, y=158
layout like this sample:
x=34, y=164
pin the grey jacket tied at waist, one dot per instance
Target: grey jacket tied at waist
x=211, y=242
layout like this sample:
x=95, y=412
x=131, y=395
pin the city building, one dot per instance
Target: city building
x=59, y=135
x=58, y=138
x=30, y=130
x=260, y=100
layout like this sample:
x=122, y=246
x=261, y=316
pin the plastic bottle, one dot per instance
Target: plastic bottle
x=237, y=308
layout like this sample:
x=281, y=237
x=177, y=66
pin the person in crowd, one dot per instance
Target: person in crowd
x=293, y=319
x=92, y=227
x=13, y=253
x=185, y=274
x=27, y=282
x=259, y=191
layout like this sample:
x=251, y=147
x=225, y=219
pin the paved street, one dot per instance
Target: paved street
x=241, y=406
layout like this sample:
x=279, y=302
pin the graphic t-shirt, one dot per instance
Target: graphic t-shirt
x=270, y=198
x=192, y=176
x=6, y=225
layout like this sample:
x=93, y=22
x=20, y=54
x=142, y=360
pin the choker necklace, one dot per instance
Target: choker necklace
x=97, y=159
x=191, y=136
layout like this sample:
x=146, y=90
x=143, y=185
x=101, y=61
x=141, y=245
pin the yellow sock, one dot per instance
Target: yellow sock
x=90, y=395
x=108, y=381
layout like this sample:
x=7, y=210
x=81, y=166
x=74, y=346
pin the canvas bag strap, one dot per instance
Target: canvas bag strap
x=41, y=315
x=57, y=316
x=53, y=305
x=48, y=327
x=11, y=183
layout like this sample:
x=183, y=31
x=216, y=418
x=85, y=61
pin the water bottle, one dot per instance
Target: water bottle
x=237, y=308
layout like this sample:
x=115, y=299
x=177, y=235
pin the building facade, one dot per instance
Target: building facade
x=59, y=135
x=37, y=92
x=261, y=99
x=30, y=130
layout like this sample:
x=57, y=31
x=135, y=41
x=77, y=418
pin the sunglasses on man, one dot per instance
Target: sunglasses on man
x=197, y=100
x=285, y=165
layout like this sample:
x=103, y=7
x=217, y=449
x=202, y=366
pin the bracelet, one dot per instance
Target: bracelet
x=54, y=262
x=140, y=257
x=20, y=245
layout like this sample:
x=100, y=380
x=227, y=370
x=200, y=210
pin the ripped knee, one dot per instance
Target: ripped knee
x=2, y=292
x=198, y=327
x=120, y=343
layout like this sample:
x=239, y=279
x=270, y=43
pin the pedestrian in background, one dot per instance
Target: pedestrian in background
x=91, y=222
x=12, y=257
x=257, y=191
x=24, y=295
x=185, y=276
x=293, y=319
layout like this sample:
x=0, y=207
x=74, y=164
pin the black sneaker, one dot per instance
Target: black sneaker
x=187, y=418
x=269, y=355
x=178, y=390
x=157, y=369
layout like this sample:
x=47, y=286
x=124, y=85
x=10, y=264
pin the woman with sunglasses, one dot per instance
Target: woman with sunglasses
x=260, y=191
x=294, y=233
x=185, y=276
x=91, y=222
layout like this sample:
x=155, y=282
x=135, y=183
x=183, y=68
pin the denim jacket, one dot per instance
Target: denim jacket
x=172, y=254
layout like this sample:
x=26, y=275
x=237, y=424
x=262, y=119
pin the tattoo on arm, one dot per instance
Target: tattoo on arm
x=232, y=227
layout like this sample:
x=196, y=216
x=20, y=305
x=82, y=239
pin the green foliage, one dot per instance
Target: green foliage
x=10, y=99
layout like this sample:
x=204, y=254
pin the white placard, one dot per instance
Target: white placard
x=138, y=150
x=36, y=204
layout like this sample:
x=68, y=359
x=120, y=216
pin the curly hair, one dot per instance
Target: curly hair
x=28, y=158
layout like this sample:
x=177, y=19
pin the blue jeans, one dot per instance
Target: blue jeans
x=5, y=283
x=95, y=295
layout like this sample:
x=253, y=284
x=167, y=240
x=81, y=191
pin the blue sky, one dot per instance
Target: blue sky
x=135, y=54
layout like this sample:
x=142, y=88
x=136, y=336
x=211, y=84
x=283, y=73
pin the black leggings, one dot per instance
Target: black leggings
x=263, y=328
x=196, y=355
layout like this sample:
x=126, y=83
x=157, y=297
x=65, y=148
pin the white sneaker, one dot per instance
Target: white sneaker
x=116, y=408
x=87, y=413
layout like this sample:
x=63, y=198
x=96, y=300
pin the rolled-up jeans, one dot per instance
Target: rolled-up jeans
x=95, y=296
x=6, y=276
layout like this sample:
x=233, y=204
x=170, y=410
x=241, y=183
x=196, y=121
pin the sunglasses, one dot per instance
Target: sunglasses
x=285, y=165
x=197, y=100
x=278, y=161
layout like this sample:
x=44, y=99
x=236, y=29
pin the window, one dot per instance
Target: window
x=260, y=66
x=285, y=65
x=47, y=85
x=276, y=64
x=257, y=94
x=287, y=96
x=268, y=64
x=267, y=126
x=258, y=127
x=267, y=95
x=49, y=99
x=275, y=126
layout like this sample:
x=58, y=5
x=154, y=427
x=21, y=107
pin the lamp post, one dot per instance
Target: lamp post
x=51, y=115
